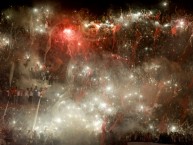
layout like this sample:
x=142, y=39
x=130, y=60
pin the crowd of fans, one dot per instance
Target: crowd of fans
x=19, y=96
x=29, y=137
x=172, y=137
x=162, y=138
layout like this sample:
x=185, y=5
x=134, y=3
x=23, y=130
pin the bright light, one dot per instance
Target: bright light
x=68, y=32
x=84, y=120
x=97, y=123
x=86, y=70
x=27, y=56
x=108, y=88
x=41, y=66
x=87, y=67
x=96, y=116
x=84, y=105
x=165, y=4
x=72, y=66
x=41, y=30
x=151, y=126
x=98, y=26
x=7, y=41
x=139, y=13
x=69, y=115
x=58, y=120
x=140, y=108
x=131, y=76
x=156, y=23
x=7, y=17
x=95, y=99
x=173, y=128
x=181, y=23
x=136, y=15
x=103, y=105
x=169, y=82
x=86, y=25
x=110, y=110
x=35, y=10
x=166, y=25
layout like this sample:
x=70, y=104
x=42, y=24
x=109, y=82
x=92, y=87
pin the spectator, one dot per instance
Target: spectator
x=18, y=96
x=31, y=99
x=26, y=95
x=22, y=94
x=35, y=94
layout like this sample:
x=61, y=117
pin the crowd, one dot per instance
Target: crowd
x=17, y=137
x=172, y=137
x=29, y=137
x=20, y=96
x=163, y=138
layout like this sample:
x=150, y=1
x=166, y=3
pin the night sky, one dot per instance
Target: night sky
x=98, y=6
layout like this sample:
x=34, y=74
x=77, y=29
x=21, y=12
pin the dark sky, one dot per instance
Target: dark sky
x=98, y=5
